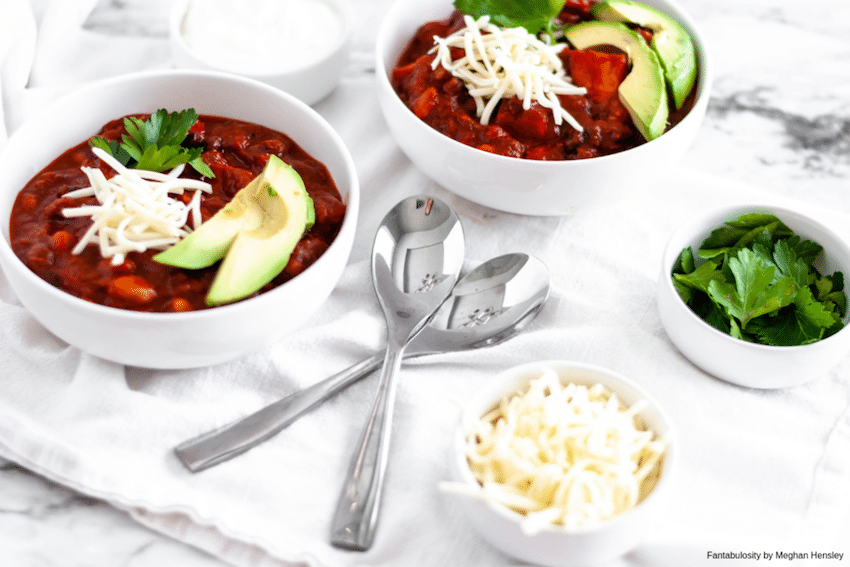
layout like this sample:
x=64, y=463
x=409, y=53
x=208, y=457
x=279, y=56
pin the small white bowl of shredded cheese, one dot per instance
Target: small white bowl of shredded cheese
x=562, y=463
x=298, y=46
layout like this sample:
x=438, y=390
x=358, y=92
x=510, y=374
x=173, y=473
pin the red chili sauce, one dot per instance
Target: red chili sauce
x=236, y=151
x=441, y=100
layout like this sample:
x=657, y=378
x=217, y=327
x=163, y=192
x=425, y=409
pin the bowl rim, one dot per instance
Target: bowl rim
x=692, y=228
x=523, y=372
x=178, y=11
x=349, y=224
x=705, y=78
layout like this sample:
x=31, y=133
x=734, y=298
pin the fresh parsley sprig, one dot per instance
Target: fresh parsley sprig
x=758, y=283
x=156, y=144
x=533, y=15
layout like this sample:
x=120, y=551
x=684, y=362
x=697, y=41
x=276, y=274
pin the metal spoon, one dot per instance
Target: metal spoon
x=416, y=259
x=489, y=305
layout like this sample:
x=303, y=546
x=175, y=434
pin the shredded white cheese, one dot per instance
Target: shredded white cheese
x=136, y=211
x=504, y=62
x=560, y=454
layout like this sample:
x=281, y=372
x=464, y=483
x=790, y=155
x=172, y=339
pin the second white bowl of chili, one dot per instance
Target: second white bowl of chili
x=536, y=184
x=161, y=320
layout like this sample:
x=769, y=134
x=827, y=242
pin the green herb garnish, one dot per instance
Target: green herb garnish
x=757, y=282
x=533, y=15
x=156, y=144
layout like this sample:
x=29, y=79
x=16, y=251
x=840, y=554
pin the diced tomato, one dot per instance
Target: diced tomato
x=425, y=103
x=600, y=73
x=537, y=123
x=401, y=73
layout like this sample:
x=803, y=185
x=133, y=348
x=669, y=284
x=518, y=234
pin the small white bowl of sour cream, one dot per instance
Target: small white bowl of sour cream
x=298, y=46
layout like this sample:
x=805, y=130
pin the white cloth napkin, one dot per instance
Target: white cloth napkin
x=759, y=470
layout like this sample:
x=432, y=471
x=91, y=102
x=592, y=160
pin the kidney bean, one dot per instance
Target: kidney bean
x=135, y=289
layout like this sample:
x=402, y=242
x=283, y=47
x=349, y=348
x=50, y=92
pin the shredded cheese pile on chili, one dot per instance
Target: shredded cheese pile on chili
x=136, y=211
x=504, y=62
x=560, y=454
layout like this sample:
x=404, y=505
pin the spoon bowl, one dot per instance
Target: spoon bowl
x=525, y=292
x=492, y=303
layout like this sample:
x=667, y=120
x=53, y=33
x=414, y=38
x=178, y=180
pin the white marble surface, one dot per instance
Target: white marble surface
x=779, y=118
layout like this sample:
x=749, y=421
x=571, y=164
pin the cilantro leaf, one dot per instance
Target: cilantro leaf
x=831, y=288
x=702, y=276
x=803, y=325
x=685, y=262
x=820, y=314
x=789, y=264
x=533, y=15
x=785, y=329
x=754, y=292
x=753, y=220
x=757, y=282
x=805, y=249
x=113, y=148
x=155, y=144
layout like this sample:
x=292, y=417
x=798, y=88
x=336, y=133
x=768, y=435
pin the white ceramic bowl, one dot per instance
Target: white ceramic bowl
x=559, y=546
x=174, y=340
x=309, y=82
x=734, y=360
x=518, y=185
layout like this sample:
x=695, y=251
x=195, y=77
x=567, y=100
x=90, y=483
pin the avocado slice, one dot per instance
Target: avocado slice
x=255, y=233
x=260, y=253
x=643, y=91
x=209, y=242
x=671, y=42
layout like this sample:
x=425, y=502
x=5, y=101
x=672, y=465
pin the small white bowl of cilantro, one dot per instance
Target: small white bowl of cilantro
x=755, y=295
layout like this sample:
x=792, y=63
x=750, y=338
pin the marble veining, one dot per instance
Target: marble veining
x=823, y=140
x=44, y=524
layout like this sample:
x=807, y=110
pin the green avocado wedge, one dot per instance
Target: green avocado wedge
x=209, y=242
x=670, y=41
x=643, y=91
x=255, y=234
x=258, y=255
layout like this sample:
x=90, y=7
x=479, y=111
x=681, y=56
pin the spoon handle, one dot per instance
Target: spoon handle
x=354, y=522
x=219, y=445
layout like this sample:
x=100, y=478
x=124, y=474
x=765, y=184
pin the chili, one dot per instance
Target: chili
x=442, y=102
x=235, y=150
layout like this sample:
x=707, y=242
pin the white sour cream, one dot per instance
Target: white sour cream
x=261, y=36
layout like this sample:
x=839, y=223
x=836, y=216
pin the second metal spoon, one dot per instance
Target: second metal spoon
x=489, y=305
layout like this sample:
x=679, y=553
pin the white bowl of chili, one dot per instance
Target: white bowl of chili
x=543, y=187
x=184, y=339
x=582, y=507
x=733, y=359
x=299, y=46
